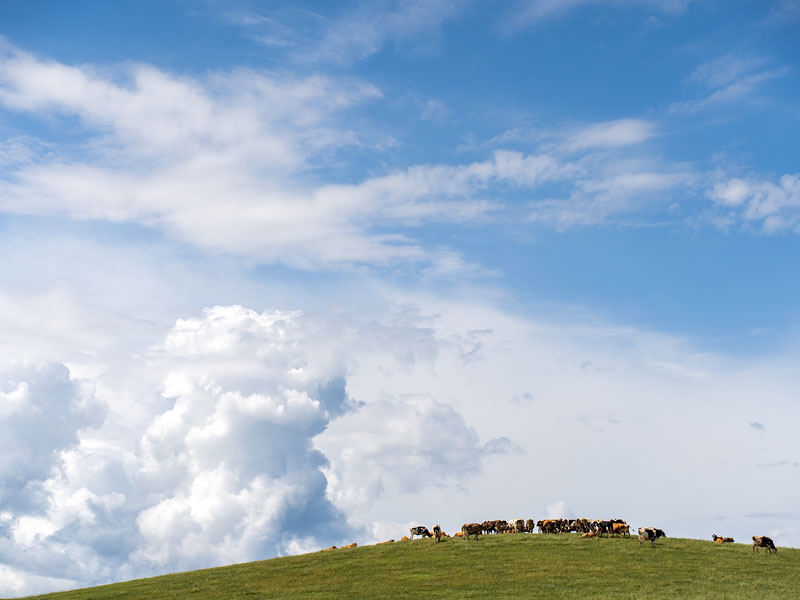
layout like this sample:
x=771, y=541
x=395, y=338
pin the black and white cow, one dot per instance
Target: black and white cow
x=762, y=541
x=421, y=531
x=651, y=534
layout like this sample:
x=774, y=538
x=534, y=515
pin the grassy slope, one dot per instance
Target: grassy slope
x=499, y=566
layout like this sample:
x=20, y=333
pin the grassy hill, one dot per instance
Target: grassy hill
x=498, y=566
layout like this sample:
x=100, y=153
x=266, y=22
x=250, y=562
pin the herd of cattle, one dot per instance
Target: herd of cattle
x=587, y=528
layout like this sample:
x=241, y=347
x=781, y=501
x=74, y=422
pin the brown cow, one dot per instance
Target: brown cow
x=404, y=539
x=458, y=534
x=589, y=534
x=328, y=549
x=620, y=529
x=762, y=541
x=721, y=540
x=437, y=533
x=353, y=545
x=469, y=529
x=386, y=542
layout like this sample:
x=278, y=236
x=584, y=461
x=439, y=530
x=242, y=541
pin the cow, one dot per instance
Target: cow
x=328, y=549
x=529, y=525
x=421, y=531
x=488, y=527
x=404, y=538
x=437, y=533
x=353, y=545
x=622, y=529
x=458, y=534
x=650, y=533
x=386, y=542
x=762, y=541
x=468, y=529
x=589, y=534
x=721, y=540
x=518, y=525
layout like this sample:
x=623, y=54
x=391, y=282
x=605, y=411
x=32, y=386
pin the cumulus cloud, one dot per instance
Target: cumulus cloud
x=399, y=444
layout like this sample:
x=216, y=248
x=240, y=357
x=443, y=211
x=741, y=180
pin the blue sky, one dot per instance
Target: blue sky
x=578, y=211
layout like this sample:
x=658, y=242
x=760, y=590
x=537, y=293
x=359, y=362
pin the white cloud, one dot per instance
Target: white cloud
x=352, y=35
x=611, y=134
x=530, y=13
x=772, y=207
x=728, y=79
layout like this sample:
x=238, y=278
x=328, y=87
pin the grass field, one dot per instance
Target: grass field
x=497, y=566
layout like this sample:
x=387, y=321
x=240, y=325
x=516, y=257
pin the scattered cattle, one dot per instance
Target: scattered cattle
x=353, y=545
x=762, y=541
x=721, y=540
x=468, y=529
x=437, y=533
x=421, y=531
x=651, y=534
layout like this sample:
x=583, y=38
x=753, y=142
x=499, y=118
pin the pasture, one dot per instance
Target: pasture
x=496, y=566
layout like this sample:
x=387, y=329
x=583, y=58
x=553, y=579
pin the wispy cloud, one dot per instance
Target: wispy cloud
x=354, y=34
x=728, y=79
x=529, y=13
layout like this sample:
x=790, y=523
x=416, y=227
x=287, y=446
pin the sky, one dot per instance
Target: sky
x=282, y=275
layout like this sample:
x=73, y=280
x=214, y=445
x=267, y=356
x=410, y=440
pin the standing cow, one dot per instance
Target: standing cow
x=468, y=529
x=650, y=533
x=437, y=532
x=762, y=541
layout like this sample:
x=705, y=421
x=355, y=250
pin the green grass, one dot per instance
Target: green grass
x=498, y=566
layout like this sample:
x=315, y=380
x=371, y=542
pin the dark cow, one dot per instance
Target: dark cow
x=437, y=533
x=721, y=540
x=762, y=541
x=518, y=525
x=421, y=531
x=650, y=533
x=529, y=525
x=468, y=529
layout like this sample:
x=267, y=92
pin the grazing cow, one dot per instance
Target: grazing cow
x=721, y=540
x=437, y=533
x=421, y=531
x=468, y=529
x=620, y=529
x=762, y=541
x=589, y=534
x=353, y=545
x=650, y=533
x=328, y=549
